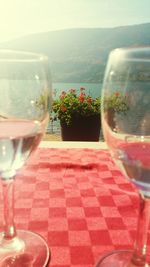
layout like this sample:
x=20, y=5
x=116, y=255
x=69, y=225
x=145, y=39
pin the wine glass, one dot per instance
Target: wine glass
x=24, y=111
x=126, y=128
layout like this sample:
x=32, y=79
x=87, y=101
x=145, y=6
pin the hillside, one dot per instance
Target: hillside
x=80, y=55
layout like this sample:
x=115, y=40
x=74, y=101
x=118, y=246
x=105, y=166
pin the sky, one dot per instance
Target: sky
x=23, y=17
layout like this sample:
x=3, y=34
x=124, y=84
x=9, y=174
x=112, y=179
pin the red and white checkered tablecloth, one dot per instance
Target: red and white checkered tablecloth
x=78, y=200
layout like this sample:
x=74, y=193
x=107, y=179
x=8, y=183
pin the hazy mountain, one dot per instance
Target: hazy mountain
x=80, y=55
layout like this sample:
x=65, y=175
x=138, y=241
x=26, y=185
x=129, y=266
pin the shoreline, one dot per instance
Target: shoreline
x=52, y=137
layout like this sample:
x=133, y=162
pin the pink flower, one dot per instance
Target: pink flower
x=90, y=100
x=63, y=108
x=62, y=95
x=81, y=97
x=72, y=91
x=117, y=94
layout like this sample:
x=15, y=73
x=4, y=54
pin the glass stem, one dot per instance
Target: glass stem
x=140, y=249
x=8, y=195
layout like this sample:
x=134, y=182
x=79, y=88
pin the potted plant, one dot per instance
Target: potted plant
x=79, y=116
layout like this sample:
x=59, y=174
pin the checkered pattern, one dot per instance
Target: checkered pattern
x=78, y=200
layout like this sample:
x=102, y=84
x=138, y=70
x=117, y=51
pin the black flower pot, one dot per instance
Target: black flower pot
x=82, y=129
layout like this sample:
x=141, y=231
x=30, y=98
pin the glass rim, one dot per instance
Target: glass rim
x=136, y=53
x=12, y=55
x=132, y=48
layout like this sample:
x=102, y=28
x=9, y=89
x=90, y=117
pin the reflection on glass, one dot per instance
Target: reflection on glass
x=24, y=112
x=126, y=127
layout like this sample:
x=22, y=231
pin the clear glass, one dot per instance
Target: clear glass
x=25, y=91
x=126, y=127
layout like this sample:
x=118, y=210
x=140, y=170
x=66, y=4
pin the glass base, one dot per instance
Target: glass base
x=26, y=250
x=120, y=258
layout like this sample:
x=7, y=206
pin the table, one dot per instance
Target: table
x=78, y=200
